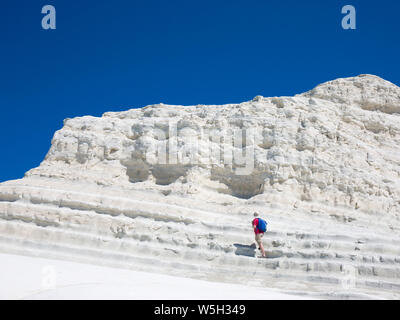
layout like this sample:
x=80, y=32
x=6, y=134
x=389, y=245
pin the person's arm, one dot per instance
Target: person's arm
x=254, y=225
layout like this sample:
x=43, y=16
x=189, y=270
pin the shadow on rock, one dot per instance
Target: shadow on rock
x=245, y=250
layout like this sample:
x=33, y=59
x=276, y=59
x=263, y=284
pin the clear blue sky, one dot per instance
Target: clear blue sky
x=120, y=54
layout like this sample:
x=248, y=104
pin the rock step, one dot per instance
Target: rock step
x=197, y=234
x=184, y=256
x=181, y=214
x=116, y=205
x=260, y=276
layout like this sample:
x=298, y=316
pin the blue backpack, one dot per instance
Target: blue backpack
x=262, y=225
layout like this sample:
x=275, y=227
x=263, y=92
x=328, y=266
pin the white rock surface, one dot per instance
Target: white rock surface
x=322, y=167
x=65, y=280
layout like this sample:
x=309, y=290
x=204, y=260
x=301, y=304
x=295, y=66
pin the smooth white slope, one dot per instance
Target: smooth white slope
x=23, y=277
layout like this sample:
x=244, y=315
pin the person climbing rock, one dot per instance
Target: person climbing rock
x=259, y=226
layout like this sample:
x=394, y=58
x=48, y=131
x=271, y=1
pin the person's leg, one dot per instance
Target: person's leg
x=262, y=249
x=259, y=242
x=257, y=238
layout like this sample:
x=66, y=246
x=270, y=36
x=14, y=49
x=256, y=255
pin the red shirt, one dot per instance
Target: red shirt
x=255, y=224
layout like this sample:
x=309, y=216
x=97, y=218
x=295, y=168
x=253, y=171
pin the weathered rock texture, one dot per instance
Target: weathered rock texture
x=173, y=189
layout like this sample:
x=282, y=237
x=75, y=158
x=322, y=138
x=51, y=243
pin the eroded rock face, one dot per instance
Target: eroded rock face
x=172, y=188
x=324, y=146
x=366, y=91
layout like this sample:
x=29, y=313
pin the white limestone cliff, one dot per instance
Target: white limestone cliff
x=172, y=189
